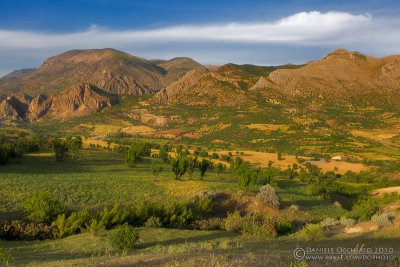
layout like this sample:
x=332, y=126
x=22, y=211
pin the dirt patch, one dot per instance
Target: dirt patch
x=140, y=129
x=387, y=190
x=339, y=166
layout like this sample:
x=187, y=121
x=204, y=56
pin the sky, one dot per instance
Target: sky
x=211, y=32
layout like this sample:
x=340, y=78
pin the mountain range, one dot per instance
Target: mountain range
x=83, y=82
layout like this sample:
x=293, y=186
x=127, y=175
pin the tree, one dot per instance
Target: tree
x=163, y=154
x=4, y=153
x=179, y=150
x=235, y=165
x=60, y=149
x=135, y=153
x=192, y=165
x=41, y=207
x=247, y=176
x=179, y=165
x=156, y=167
x=220, y=168
x=203, y=167
x=74, y=145
x=291, y=172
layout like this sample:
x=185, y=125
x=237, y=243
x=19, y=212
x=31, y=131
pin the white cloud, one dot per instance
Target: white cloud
x=306, y=29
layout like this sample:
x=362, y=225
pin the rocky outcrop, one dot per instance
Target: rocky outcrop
x=80, y=100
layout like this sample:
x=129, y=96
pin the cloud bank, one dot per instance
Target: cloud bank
x=301, y=31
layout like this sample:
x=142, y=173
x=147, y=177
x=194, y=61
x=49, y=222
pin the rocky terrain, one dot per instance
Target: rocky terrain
x=82, y=82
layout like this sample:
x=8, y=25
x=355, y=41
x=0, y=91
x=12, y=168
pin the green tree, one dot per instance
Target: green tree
x=220, y=168
x=135, y=153
x=192, y=165
x=235, y=165
x=179, y=165
x=156, y=167
x=60, y=149
x=163, y=154
x=4, y=153
x=74, y=145
x=203, y=167
x=41, y=207
x=247, y=176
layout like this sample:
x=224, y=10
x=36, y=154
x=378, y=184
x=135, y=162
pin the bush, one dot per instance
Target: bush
x=329, y=222
x=5, y=256
x=294, y=208
x=364, y=208
x=153, y=222
x=383, y=220
x=95, y=228
x=269, y=196
x=124, y=237
x=233, y=222
x=42, y=208
x=210, y=224
x=284, y=226
x=312, y=232
x=347, y=222
x=72, y=224
x=253, y=225
x=204, y=202
x=17, y=230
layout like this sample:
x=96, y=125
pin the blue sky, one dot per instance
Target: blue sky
x=212, y=32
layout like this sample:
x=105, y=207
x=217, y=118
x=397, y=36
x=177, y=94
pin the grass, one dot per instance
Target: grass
x=97, y=178
x=177, y=247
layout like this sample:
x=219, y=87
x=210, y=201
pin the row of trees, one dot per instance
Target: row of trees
x=15, y=148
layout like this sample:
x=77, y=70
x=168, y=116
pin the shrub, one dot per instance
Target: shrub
x=5, y=256
x=233, y=222
x=253, y=225
x=210, y=224
x=311, y=232
x=269, y=196
x=294, y=208
x=364, y=208
x=259, y=226
x=72, y=224
x=17, y=230
x=124, y=237
x=153, y=222
x=347, y=222
x=383, y=220
x=95, y=228
x=42, y=208
x=337, y=205
x=329, y=222
x=204, y=202
x=284, y=226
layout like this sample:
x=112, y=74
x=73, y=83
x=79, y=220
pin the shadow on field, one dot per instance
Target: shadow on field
x=178, y=241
